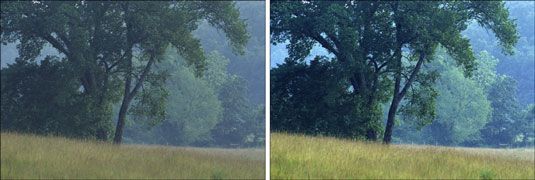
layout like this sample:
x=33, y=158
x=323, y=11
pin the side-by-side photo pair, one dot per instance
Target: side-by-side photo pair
x=267, y=89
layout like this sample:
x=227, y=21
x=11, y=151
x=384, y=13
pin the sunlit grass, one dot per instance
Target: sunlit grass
x=28, y=156
x=298, y=156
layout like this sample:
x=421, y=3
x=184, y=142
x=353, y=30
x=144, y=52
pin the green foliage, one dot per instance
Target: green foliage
x=310, y=99
x=192, y=108
x=150, y=105
x=501, y=129
x=240, y=123
x=487, y=175
x=45, y=98
x=382, y=46
x=248, y=65
x=257, y=128
x=419, y=107
x=112, y=46
x=521, y=65
x=525, y=127
x=236, y=112
x=461, y=106
x=486, y=75
x=217, y=174
x=195, y=109
x=477, y=111
x=217, y=76
x=212, y=110
x=462, y=110
x=239, y=81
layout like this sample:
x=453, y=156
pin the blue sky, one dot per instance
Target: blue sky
x=279, y=52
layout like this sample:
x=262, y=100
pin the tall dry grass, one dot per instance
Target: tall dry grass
x=298, y=157
x=29, y=156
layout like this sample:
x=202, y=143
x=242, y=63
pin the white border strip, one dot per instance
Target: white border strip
x=267, y=106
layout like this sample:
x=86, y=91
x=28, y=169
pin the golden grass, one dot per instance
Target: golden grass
x=28, y=156
x=298, y=157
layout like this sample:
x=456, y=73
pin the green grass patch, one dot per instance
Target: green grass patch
x=29, y=156
x=303, y=157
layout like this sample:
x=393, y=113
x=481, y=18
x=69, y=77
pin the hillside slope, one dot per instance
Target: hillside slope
x=297, y=156
x=27, y=156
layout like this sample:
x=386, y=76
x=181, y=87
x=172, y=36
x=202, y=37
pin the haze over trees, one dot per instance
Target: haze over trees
x=83, y=66
x=408, y=65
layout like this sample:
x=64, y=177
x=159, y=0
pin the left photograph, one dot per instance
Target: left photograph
x=124, y=90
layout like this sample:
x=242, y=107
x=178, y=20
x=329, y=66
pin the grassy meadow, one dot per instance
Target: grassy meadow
x=29, y=156
x=298, y=156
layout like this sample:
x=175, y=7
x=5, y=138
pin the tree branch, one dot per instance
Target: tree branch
x=143, y=75
x=325, y=44
x=55, y=43
x=413, y=75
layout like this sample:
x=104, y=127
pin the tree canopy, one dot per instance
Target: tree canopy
x=111, y=47
x=382, y=46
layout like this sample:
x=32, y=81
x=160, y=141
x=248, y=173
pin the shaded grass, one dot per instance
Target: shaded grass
x=28, y=156
x=298, y=156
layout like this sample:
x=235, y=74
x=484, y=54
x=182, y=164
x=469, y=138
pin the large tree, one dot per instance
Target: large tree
x=505, y=115
x=462, y=106
x=383, y=45
x=113, y=45
x=308, y=98
x=30, y=92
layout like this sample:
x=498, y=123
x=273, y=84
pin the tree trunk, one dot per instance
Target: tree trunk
x=104, y=125
x=121, y=121
x=359, y=91
x=97, y=93
x=398, y=97
x=371, y=132
x=390, y=121
x=128, y=96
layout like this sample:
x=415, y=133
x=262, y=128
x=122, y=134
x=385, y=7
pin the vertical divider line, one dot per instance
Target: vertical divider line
x=267, y=106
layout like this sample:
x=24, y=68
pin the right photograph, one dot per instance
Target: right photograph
x=402, y=90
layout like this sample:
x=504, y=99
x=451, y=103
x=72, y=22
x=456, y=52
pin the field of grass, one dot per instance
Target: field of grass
x=28, y=156
x=298, y=156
